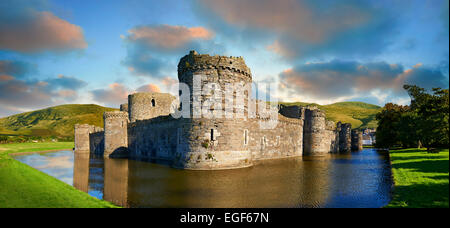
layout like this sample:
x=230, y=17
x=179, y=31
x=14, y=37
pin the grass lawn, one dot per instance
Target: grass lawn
x=23, y=186
x=421, y=179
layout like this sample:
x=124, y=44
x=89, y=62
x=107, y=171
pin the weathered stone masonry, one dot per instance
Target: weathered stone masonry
x=144, y=128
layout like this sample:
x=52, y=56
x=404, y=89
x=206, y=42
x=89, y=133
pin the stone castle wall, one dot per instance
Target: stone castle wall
x=97, y=141
x=154, y=139
x=143, y=106
x=286, y=140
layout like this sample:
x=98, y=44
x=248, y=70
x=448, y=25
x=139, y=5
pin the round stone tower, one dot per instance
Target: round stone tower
x=315, y=140
x=143, y=106
x=82, y=144
x=345, y=139
x=357, y=140
x=116, y=134
x=214, y=141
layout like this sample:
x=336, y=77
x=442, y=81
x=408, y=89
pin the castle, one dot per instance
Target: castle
x=145, y=129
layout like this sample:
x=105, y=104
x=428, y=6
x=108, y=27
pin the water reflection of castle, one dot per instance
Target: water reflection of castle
x=130, y=183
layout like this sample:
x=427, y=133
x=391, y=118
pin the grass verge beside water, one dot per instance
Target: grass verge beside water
x=421, y=179
x=24, y=186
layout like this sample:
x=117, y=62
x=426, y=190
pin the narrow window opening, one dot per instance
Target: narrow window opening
x=212, y=134
x=263, y=142
x=245, y=137
x=153, y=103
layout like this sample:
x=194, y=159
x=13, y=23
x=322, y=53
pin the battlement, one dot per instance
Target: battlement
x=330, y=125
x=124, y=107
x=315, y=112
x=81, y=126
x=195, y=61
x=116, y=115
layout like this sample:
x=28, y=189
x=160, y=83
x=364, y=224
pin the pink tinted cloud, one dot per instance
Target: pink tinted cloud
x=168, y=81
x=5, y=77
x=168, y=36
x=149, y=88
x=334, y=80
x=291, y=17
x=42, y=31
x=113, y=95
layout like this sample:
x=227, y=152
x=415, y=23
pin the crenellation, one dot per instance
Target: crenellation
x=124, y=107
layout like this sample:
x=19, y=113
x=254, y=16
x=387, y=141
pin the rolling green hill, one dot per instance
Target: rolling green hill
x=359, y=114
x=60, y=120
x=54, y=121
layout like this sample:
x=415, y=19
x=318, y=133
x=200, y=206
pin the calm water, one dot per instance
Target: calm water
x=360, y=179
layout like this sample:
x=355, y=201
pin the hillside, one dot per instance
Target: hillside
x=56, y=121
x=359, y=114
x=59, y=120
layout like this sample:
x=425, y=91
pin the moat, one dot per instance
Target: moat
x=357, y=179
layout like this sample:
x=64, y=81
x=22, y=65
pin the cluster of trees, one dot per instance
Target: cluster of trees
x=424, y=123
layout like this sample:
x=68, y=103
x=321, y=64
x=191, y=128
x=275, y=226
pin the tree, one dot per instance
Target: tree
x=432, y=111
x=425, y=121
x=389, y=121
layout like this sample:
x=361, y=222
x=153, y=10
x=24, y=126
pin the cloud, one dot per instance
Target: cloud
x=300, y=29
x=117, y=93
x=168, y=81
x=167, y=36
x=19, y=92
x=149, y=88
x=16, y=68
x=293, y=17
x=66, y=82
x=154, y=50
x=28, y=30
x=343, y=80
x=24, y=95
x=114, y=95
x=143, y=62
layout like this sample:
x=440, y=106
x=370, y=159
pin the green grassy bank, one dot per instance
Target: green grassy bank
x=23, y=186
x=421, y=179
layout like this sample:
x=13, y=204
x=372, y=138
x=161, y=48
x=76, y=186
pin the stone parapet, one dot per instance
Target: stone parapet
x=195, y=62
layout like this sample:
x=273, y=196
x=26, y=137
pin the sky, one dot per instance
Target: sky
x=56, y=52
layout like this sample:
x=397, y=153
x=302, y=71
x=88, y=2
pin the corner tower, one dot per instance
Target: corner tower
x=116, y=134
x=82, y=143
x=345, y=138
x=357, y=140
x=314, y=138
